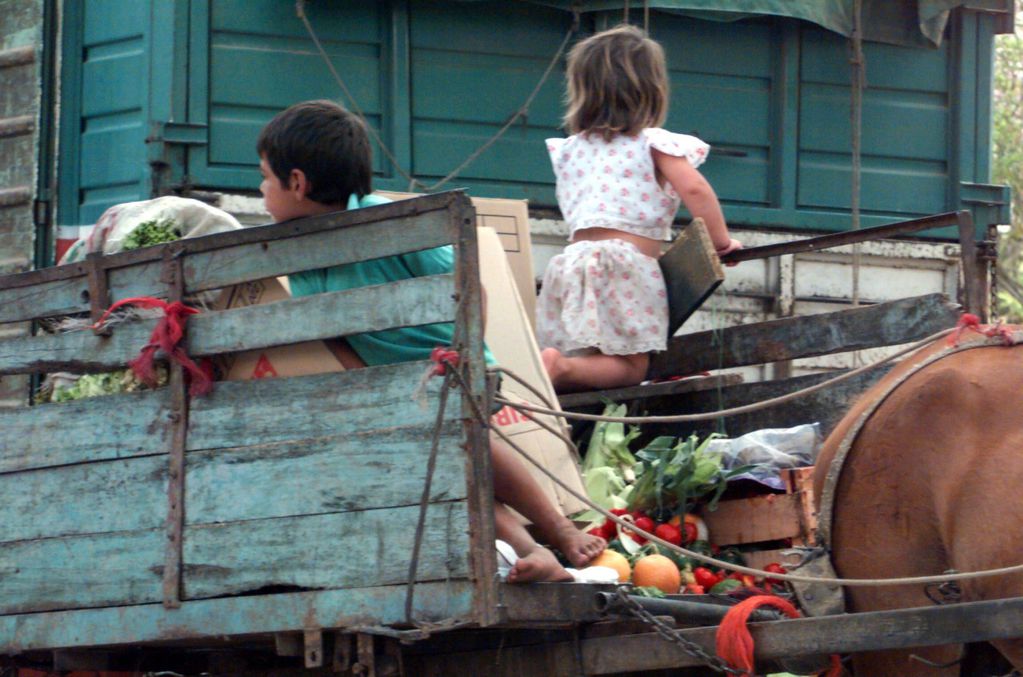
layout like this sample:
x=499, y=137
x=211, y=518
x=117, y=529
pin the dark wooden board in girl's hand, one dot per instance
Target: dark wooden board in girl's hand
x=691, y=272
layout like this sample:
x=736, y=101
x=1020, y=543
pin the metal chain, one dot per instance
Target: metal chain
x=672, y=635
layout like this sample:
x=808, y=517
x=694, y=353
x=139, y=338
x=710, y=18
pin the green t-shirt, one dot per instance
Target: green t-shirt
x=404, y=344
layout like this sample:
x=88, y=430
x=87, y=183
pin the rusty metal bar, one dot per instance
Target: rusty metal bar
x=849, y=237
x=173, y=277
x=684, y=611
x=99, y=291
x=976, y=281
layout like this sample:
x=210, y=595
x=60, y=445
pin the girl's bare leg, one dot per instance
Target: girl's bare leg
x=594, y=372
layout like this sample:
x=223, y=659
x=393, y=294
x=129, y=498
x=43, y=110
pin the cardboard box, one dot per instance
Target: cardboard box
x=510, y=220
x=509, y=335
x=297, y=359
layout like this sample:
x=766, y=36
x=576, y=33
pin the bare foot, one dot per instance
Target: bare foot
x=553, y=363
x=578, y=546
x=539, y=565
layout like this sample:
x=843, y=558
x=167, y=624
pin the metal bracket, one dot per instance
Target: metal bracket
x=99, y=290
x=180, y=133
x=312, y=640
x=366, y=667
x=173, y=276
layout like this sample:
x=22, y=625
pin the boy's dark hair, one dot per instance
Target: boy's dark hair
x=328, y=143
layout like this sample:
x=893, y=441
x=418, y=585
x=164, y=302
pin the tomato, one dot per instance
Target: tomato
x=644, y=523
x=774, y=568
x=691, y=533
x=596, y=531
x=705, y=577
x=610, y=528
x=669, y=533
x=694, y=589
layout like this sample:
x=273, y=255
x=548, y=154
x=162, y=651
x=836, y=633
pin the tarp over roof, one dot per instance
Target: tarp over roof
x=919, y=23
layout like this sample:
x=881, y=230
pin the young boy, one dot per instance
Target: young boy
x=315, y=158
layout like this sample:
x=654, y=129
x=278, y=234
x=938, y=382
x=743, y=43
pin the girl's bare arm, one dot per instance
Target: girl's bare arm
x=698, y=196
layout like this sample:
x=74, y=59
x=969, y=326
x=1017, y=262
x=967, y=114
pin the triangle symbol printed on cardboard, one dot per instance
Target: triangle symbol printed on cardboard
x=264, y=368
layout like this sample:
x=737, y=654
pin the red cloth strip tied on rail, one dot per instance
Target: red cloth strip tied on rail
x=166, y=336
x=735, y=644
x=444, y=357
x=972, y=322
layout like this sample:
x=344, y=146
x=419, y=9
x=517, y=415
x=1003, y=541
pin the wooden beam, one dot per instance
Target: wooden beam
x=577, y=401
x=882, y=324
x=826, y=406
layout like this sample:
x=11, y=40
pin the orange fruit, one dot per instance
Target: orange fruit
x=615, y=560
x=659, y=572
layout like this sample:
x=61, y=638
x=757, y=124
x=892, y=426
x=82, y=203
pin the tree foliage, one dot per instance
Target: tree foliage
x=1007, y=142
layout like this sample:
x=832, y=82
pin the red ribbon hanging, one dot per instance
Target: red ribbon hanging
x=734, y=643
x=166, y=336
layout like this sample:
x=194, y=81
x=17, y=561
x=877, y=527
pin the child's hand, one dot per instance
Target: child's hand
x=733, y=245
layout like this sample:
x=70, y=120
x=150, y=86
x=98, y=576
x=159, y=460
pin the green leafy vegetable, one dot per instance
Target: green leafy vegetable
x=149, y=233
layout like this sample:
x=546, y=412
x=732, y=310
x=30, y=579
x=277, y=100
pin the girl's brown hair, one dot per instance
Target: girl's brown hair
x=617, y=83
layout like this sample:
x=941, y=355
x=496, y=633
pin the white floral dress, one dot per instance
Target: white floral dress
x=606, y=295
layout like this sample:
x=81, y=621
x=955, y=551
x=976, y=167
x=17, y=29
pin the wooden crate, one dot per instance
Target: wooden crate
x=767, y=518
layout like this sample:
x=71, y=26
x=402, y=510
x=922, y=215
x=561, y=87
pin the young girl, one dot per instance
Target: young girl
x=603, y=306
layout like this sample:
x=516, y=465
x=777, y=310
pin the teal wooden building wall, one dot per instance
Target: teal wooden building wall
x=170, y=94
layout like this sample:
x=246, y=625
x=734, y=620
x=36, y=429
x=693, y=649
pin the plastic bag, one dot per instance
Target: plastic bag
x=770, y=450
x=194, y=218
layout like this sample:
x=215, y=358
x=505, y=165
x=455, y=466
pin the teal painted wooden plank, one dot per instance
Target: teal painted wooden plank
x=895, y=125
x=205, y=622
x=342, y=550
x=97, y=570
x=114, y=426
x=225, y=259
x=305, y=477
x=364, y=470
x=825, y=182
x=234, y=414
x=274, y=410
x=361, y=549
x=110, y=76
x=411, y=302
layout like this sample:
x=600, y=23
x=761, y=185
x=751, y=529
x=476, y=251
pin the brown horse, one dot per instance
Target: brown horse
x=932, y=482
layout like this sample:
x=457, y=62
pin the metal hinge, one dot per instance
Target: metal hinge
x=180, y=133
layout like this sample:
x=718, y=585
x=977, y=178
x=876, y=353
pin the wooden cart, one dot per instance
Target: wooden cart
x=281, y=525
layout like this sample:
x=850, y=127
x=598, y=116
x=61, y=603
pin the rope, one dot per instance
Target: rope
x=734, y=644
x=424, y=501
x=166, y=336
x=745, y=409
x=521, y=112
x=692, y=554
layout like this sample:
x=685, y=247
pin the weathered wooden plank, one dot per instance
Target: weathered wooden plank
x=359, y=549
x=761, y=518
x=825, y=406
x=235, y=414
x=411, y=302
x=355, y=472
x=116, y=426
x=882, y=324
x=233, y=616
x=245, y=413
x=596, y=398
x=225, y=259
x=691, y=272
